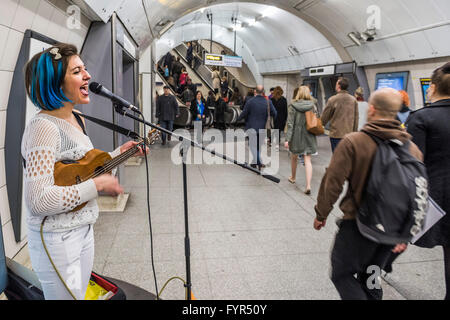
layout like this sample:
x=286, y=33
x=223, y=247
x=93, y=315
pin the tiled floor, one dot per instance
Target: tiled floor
x=250, y=238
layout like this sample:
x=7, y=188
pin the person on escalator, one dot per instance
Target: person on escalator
x=220, y=107
x=190, y=54
x=182, y=80
x=177, y=69
x=187, y=96
x=224, y=86
x=215, y=75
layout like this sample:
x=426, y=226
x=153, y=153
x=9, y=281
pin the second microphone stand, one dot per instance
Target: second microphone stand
x=183, y=153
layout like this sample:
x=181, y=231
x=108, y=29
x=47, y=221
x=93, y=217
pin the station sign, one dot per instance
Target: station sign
x=223, y=60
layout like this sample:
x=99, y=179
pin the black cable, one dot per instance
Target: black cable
x=148, y=209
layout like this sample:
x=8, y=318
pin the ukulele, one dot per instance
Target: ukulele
x=95, y=163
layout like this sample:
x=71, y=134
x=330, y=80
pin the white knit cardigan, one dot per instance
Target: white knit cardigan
x=47, y=140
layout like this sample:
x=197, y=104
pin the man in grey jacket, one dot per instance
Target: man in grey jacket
x=166, y=111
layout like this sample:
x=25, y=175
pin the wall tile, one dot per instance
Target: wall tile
x=3, y=37
x=8, y=11
x=11, y=246
x=12, y=49
x=2, y=128
x=24, y=16
x=2, y=168
x=5, y=86
x=42, y=18
x=4, y=206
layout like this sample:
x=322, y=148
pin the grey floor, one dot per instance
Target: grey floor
x=250, y=238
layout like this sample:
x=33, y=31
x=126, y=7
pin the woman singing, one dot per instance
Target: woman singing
x=56, y=80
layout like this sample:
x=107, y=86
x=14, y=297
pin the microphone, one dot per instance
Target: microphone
x=100, y=90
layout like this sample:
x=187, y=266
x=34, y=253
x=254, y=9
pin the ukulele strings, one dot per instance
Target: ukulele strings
x=114, y=162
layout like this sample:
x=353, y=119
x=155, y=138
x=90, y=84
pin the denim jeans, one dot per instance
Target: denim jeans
x=168, y=125
x=73, y=255
x=334, y=143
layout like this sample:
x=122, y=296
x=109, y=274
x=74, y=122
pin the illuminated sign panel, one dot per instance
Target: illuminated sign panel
x=223, y=60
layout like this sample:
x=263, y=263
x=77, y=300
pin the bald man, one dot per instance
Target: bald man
x=352, y=252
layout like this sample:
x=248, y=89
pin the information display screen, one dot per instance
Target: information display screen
x=425, y=84
x=223, y=60
x=395, y=80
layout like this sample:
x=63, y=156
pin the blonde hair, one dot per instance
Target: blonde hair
x=303, y=94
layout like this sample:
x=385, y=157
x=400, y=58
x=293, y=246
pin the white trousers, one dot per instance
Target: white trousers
x=72, y=253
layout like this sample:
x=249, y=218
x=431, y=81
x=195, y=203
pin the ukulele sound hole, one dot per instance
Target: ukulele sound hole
x=99, y=170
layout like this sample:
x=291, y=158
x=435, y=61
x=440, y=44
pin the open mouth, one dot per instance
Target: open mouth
x=84, y=90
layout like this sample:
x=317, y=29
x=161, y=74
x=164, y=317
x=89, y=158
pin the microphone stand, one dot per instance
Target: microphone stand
x=183, y=153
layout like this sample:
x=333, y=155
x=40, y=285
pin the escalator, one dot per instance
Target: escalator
x=203, y=72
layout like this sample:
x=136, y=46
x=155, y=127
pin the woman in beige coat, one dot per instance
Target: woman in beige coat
x=215, y=75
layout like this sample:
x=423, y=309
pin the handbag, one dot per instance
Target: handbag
x=313, y=123
x=269, y=121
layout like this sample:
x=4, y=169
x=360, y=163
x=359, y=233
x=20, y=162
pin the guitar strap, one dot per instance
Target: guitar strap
x=110, y=126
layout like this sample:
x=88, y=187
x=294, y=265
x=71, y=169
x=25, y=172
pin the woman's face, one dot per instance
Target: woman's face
x=199, y=96
x=76, y=80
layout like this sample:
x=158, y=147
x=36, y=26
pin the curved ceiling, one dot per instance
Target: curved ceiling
x=407, y=29
x=276, y=40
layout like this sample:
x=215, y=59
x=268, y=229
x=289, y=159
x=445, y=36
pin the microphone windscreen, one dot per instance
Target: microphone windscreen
x=95, y=87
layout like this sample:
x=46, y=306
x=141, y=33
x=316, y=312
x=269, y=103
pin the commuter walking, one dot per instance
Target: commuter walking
x=362, y=107
x=255, y=113
x=280, y=104
x=199, y=110
x=166, y=111
x=352, y=252
x=431, y=131
x=341, y=112
x=298, y=139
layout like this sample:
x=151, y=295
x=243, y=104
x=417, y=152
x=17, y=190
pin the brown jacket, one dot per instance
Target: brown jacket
x=352, y=161
x=342, y=113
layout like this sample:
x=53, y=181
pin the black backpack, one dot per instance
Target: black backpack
x=395, y=199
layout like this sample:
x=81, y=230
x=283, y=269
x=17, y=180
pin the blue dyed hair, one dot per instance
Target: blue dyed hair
x=44, y=76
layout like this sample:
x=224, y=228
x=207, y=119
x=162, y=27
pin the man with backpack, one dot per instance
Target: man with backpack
x=354, y=252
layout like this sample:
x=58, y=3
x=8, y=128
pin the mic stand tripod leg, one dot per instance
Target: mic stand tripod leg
x=183, y=153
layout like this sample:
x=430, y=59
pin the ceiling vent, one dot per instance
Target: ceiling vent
x=293, y=50
x=305, y=4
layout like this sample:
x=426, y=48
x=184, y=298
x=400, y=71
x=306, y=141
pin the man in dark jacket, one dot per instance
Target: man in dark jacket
x=168, y=61
x=352, y=252
x=430, y=129
x=255, y=113
x=341, y=112
x=166, y=111
x=190, y=54
x=177, y=68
